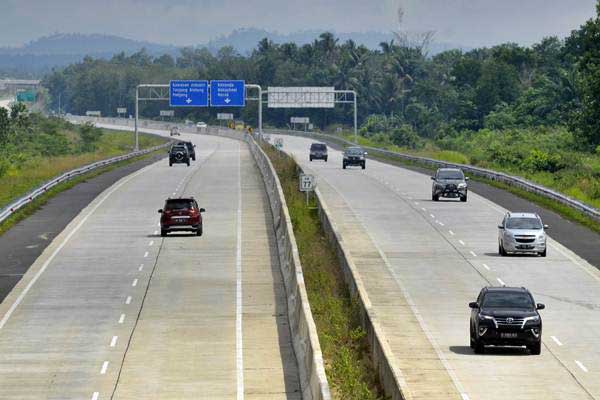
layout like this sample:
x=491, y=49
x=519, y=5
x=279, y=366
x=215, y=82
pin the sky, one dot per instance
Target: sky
x=190, y=22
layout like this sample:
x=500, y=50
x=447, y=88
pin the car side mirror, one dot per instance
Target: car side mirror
x=473, y=305
x=540, y=306
x=500, y=227
x=366, y=153
x=202, y=210
x=433, y=178
x=160, y=211
x=546, y=227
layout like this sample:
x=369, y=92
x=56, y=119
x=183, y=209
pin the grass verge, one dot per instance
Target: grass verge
x=346, y=352
x=37, y=203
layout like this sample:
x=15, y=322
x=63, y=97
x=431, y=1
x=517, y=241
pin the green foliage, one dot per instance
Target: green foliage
x=90, y=135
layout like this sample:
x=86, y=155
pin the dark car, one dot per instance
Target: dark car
x=318, y=151
x=506, y=316
x=178, y=154
x=181, y=215
x=449, y=182
x=354, y=156
x=190, y=148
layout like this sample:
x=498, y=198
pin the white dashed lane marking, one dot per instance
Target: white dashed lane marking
x=141, y=267
x=95, y=396
x=146, y=254
x=473, y=253
x=500, y=281
x=486, y=267
x=122, y=318
x=113, y=341
x=151, y=243
x=581, y=366
x=134, y=283
x=558, y=342
x=128, y=300
x=461, y=242
x=104, y=368
x=451, y=233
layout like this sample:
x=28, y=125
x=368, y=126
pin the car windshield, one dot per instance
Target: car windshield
x=451, y=174
x=318, y=147
x=178, y=148
x=355, y=151
x=179, y=204
x=506, y=299
x=523, y=223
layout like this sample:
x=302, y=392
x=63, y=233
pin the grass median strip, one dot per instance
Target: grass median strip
x=346, y=352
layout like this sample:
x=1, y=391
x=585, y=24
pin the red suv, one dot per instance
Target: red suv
x=181, y=215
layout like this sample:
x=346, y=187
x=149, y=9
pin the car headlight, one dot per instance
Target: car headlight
x=542, y=237
x=462, y=185
x=483, y=317
x=534, y=319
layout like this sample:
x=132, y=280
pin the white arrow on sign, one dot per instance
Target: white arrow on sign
x=188, y=101
x=228, y=100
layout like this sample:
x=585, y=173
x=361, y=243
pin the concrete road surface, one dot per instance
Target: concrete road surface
x=112, y=310
x=5, y=103
x=423, y=262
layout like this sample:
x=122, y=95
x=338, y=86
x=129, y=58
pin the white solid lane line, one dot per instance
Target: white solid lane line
x=122, y=318
x=486, y=267
x=581, y=366
x=95, y=396
x=500, y=281
x=134, y=283
x=238, y=308
x=128, y=300
x=558, y=342
x=104, y=368
x=113, y=341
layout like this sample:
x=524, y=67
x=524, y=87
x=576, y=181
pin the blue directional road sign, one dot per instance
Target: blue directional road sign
x=227, y=93
x=188, y=94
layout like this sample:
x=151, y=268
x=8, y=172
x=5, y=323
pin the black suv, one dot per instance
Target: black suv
x=506, y=316
x=318, y=151
x=190, y=147
x=179, y=155
x=354, y=156
x=449, y=182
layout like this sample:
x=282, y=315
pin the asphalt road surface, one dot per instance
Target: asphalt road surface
x=112, y=310
x=422, y=262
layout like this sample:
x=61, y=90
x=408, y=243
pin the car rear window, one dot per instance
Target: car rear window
x=178, y=148
x=179, y=204
x=523, y=223
x=318, y=147
x=450, y=175
x=506, y=299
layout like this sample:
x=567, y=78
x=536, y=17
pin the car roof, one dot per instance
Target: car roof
x=522, y=215
x=505, y=289
x=449, y=169
x=354, y=148
x=181, y=198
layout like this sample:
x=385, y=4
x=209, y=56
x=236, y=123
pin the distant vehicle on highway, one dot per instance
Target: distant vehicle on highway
x=450, y=183
x=201, y=127
x=354, y=156
x=181, y=215
x=190, y=148
x=178, y=154
x=522, y=233
x=505, y=316
x=318, y=151
x=175, y=131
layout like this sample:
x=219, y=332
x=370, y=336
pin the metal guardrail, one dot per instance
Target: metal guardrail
x=510, y=180
x=28, y=198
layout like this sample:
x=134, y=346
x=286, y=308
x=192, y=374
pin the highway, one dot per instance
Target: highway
x=422, y=262
x=111, y=310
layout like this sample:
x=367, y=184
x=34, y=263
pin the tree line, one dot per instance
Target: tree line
x=402, y=92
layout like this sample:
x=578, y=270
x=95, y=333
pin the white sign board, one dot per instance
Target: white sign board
x=301, y=97
x=93, y=113
x=167, y=113
x=300, y=120
x=225, y=117
x=279, y=143
x=310, y=126
x=121, y=110
x=307, y=183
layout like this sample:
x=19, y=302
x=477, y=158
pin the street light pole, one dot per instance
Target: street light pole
x=260, y=93
x=137, y=97
x=355, y=119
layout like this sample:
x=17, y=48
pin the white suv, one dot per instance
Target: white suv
x=522, y=233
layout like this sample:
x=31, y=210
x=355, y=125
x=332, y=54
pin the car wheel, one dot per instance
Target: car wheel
x=501, y=250
x=364, y=165
x=188, y=163
x=435, y=198
x=343, y=165
x=163, y=232
x=325, y=159
x=170, y=164
x=543, y=253
x=310, y=158
x=535, y=349
x=194, y=158
x=463, y=198
x=199, y=231
x=479, y=347
x=471, y=338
